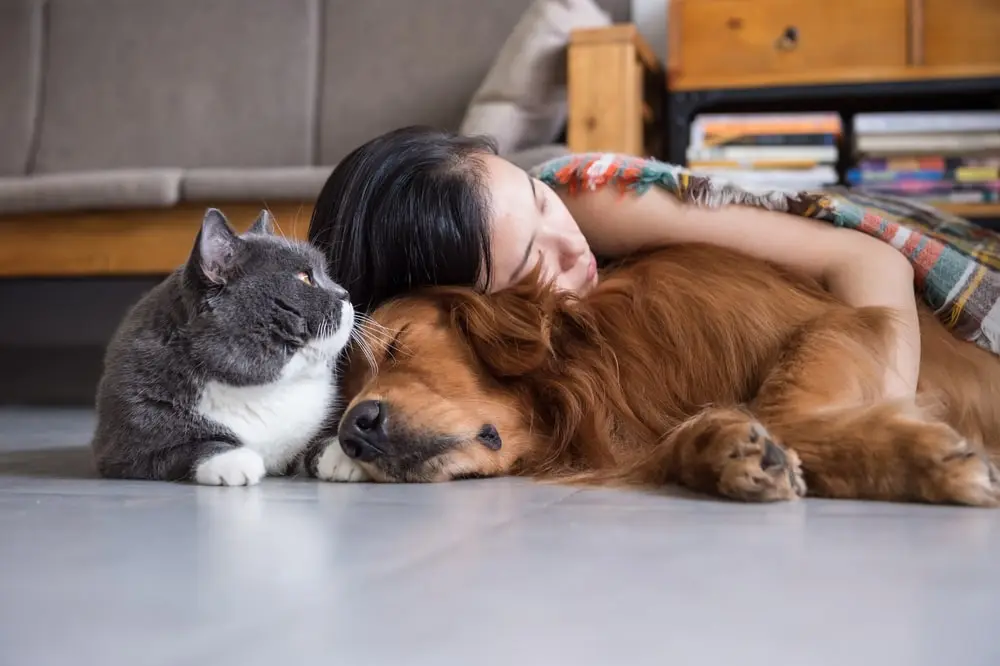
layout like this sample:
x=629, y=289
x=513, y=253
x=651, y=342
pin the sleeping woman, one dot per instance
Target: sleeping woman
x=421, y=207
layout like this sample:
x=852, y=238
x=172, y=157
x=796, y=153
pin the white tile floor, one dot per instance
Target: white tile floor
x=501, y=572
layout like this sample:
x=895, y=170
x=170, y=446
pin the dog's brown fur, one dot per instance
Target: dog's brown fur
x=690, y=365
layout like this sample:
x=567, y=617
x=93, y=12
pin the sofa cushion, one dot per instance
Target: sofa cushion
x=522, y=101
x=389, y=63
x=20, y=74
x=529, y=158
x=254, y=185
x=90, y=190
x=620, y=11
x=184, y=83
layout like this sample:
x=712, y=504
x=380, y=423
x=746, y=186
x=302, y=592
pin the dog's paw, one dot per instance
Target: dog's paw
x=334, y=465
x=235, y=467
x=960, y=472
x=758, y=469
x=730, y=453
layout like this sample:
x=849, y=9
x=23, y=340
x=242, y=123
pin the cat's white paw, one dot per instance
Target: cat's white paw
x=236, y=467
x=334, y=465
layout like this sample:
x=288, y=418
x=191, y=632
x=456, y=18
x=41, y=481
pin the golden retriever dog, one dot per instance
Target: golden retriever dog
x=690, y=365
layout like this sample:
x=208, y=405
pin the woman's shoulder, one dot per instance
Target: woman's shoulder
x=592, y=171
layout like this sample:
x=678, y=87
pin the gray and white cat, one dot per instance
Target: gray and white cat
x=226, y=370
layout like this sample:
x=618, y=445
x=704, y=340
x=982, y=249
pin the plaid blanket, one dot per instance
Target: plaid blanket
x=955, y=262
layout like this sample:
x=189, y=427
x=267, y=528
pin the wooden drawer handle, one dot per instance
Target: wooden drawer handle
x=789, y=39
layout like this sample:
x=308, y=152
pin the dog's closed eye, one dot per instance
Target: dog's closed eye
x=393, y=348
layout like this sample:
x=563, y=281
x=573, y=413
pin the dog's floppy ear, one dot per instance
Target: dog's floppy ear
x=510, y=331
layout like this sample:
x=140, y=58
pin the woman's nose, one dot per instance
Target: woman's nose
x=572, y=249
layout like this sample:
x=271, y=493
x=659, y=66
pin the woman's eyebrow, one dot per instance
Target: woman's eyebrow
x=524, y=259
x=531, y=241
x=534, y=193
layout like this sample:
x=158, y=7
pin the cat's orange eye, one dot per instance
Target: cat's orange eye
x=306, y=277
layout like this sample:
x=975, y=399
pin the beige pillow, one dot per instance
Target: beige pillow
x=522, y=101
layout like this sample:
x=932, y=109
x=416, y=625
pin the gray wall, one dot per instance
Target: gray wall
x=651, y=18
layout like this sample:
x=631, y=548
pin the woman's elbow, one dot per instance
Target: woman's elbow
x=873, y=259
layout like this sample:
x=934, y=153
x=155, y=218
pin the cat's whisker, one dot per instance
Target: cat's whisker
x=378, y=335
x=274, y=220
x=374, y=342
x=372, y=325
x=328, y=328
x=375, y=328
x=367, y=352
x=358, y=338
x=371, y=320
x=361, y=335
x=295, y=220
x=374, y=334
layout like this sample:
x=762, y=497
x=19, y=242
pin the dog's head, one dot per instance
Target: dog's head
x=442, y=390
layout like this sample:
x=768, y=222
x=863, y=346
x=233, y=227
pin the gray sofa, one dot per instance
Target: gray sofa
x=144, y=104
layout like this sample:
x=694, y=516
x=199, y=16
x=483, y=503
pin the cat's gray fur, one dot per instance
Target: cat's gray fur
x=225, y=371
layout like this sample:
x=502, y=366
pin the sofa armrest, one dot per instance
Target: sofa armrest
x=616, y=92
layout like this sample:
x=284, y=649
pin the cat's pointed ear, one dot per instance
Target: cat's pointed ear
x=215, y=246
x=264, y=224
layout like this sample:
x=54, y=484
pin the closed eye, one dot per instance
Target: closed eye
x=392, y=349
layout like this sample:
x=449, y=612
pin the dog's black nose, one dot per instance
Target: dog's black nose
x=364, y=431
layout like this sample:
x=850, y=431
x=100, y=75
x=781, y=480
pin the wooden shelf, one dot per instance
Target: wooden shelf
x=615, y=92
x=971, y=210
x=845, y=76
x=620, y=33
x=134, y=242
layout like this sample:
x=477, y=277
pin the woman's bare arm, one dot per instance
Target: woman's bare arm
x=860, y=269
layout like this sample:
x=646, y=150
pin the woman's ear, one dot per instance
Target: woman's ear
x=509, y=331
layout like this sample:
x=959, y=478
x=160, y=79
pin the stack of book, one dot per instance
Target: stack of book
x=767, y=151
x=946, y=157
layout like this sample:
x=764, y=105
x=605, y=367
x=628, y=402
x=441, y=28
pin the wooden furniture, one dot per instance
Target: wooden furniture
x=615, y=92
x=769, y=55
x=128, y=242
x=721, y=44
x=849, y=56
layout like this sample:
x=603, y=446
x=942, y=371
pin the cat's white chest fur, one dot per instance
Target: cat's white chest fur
x=275, y=420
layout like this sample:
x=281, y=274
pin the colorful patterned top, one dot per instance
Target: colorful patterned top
x=955, y=262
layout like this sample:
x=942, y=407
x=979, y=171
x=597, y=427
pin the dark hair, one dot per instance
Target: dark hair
x=408, y=209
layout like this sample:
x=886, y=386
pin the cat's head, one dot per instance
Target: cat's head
x=260, y=304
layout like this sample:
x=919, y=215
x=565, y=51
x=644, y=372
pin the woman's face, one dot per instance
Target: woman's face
x=532, y=227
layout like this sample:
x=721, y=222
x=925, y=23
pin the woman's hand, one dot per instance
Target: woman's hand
x=857, y=268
